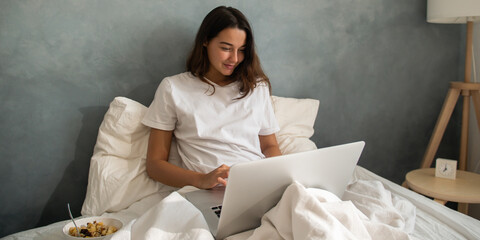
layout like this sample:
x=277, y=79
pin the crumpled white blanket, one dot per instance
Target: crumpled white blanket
x=368, y=211
x=172, y=218
x=317, y=214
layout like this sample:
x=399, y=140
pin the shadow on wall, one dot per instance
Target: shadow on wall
x=73, y=185
x=165, y=53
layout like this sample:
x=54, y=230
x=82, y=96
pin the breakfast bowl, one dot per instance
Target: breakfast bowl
x=104, y=226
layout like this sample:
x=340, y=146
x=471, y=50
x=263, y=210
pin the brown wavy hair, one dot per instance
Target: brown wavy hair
x=249, y=72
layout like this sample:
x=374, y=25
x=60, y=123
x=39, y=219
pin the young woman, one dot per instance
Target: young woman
x=219, y=110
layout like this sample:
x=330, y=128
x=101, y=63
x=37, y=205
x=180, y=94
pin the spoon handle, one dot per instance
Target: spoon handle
x=71, y=217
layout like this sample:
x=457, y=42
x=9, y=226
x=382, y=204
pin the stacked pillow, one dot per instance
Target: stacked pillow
x=296, y=118
x=117, y=176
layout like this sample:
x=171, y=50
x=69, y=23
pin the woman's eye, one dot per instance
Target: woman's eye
x=225, y=49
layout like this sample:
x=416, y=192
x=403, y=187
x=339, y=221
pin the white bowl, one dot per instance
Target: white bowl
x=83, y=222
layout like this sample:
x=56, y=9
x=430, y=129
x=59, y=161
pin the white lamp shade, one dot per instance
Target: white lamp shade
x=453, y=11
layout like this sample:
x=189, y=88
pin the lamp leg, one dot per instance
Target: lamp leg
x=468, y=52
x=476, y=105
x=462, y=163
x=441, y=125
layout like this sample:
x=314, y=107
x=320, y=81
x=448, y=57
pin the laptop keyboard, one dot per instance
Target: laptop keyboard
x=217, y=210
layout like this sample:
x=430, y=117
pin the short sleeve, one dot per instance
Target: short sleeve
x=269, y=123
x=161, y=113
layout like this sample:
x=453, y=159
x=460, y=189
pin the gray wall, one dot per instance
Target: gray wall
x=379, y=70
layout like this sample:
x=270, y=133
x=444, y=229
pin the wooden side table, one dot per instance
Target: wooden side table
x=464, y=189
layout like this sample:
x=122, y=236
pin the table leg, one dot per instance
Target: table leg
x=463, y=208
x=443, y=202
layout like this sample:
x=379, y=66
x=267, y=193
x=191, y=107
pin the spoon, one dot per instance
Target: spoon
x=71, y=217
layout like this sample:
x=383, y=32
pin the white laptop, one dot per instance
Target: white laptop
x=255, y=187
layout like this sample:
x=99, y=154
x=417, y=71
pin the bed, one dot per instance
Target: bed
x=372, y=207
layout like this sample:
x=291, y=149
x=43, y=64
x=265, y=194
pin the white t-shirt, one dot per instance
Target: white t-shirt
x=212, y=129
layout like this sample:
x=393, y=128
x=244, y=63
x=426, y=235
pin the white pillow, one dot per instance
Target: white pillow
x=117, y=176
x=296, y=118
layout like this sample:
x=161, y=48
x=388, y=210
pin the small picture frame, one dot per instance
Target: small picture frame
x=446, y=168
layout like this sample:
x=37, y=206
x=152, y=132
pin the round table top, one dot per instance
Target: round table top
x=464, y=189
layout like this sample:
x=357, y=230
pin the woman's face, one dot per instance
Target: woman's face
x=225, y=53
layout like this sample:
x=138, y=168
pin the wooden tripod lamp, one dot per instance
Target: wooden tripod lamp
x=456, y=11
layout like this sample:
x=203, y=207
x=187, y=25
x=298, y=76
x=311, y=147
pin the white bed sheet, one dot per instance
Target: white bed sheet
x=432, y=220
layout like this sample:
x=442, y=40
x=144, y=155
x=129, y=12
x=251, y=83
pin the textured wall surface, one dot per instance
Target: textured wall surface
x=379, y=70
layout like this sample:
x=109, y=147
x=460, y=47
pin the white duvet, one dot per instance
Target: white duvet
x=368, y=211
x=381, y=203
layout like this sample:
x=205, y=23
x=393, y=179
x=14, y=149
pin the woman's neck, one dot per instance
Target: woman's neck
x=218, y=79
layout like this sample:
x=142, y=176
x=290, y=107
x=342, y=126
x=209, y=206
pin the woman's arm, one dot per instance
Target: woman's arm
x=269, y=145
x=158, y=167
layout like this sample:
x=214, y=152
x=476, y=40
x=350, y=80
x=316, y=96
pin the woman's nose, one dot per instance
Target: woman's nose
x=233, y=56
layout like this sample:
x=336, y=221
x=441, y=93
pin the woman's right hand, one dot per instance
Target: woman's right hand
x=159, y=169
x=214, y=178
